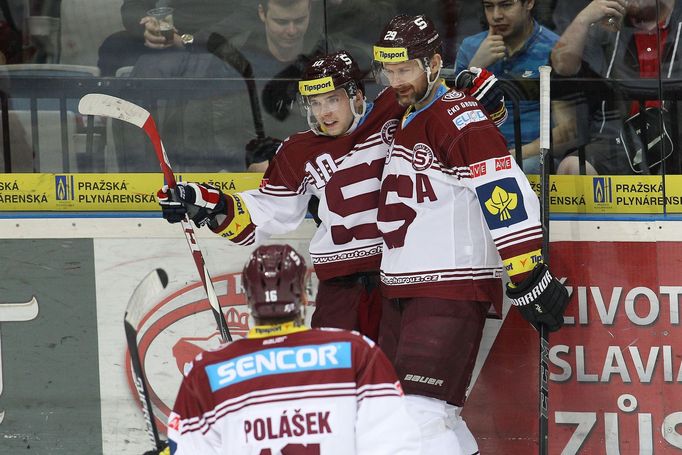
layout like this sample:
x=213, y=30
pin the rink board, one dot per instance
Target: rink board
x=65, y=386
x=641, y=194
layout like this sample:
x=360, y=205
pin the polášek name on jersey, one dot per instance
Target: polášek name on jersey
x=290, y=425
x=295, y=359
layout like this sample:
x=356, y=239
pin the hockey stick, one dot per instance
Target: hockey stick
x=544, y=209
x=109, y=106
x=149, y=287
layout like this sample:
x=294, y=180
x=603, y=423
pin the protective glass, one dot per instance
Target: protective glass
x=396, y=74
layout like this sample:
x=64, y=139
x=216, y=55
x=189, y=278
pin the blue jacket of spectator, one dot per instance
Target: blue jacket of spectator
x=522, y=65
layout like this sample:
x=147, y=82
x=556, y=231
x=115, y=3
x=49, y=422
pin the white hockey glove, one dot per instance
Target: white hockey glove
x=540, y=298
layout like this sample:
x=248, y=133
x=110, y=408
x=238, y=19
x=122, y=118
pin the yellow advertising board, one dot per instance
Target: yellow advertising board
x=136, y=192
x=101, y=192
x=621, y=194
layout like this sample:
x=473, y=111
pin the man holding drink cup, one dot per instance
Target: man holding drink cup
x=159, y=32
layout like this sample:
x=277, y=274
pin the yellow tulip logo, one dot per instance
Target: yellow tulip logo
x=502, y=203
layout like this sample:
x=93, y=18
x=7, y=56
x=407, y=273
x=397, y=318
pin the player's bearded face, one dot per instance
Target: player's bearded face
x=332, y=112
x=408, y=80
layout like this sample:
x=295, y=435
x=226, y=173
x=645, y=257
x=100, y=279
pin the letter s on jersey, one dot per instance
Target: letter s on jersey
x=405, y=188
x=367, y=178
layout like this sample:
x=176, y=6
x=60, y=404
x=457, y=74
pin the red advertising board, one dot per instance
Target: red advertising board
x=615, y=368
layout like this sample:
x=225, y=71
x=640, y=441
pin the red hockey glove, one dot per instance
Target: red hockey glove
x=540, y=298
x=201, y=202
x=483, y=85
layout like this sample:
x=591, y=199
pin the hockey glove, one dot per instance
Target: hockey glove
x=540, y=298
x=202, y=203
x=484, y=86
x=172, y=211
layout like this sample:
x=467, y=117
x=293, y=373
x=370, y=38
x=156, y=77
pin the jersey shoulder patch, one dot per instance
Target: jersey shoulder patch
x=458, y=111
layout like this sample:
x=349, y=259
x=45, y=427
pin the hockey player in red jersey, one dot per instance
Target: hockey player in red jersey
x=287, y=389
x=339, y=160
x=455, y=211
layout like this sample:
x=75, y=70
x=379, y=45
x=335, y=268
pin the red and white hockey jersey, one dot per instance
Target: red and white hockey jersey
x=452, y=198
x=345, y=174
x=316, y=392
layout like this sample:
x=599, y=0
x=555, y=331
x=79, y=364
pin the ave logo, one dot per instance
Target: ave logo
x=503, y=163
x=478, y=169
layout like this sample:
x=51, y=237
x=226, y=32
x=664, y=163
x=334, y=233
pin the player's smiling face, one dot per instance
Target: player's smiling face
x=332, y=111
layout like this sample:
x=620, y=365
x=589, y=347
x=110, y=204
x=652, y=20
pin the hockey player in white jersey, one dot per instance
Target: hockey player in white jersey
x=339, y=160
x=455, y=211
x=286, y=389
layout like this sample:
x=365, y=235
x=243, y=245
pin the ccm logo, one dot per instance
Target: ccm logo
x=503, y=163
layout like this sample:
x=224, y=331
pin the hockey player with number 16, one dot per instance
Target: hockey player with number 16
x=286, y=389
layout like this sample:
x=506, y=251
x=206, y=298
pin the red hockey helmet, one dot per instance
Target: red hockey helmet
x=329, y=72
x=326, y=74
x=273, y=281
x=408, y=37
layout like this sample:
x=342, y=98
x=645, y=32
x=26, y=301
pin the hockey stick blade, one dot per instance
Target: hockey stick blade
x=140, y=301
x=110, y=106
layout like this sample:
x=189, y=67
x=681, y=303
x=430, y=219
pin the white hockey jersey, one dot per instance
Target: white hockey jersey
x=455, y=207
x=314, y=392
x=345, y=174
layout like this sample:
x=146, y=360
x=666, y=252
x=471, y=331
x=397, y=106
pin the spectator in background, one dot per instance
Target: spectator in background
x=196, y=20
x=278, y=51
x=513, y=48
x=615, y=39
x=10, y=36
x=210, y=131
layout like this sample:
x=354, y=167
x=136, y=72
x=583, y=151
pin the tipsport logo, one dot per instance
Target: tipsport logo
x=64, y=187
x=602, y=190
